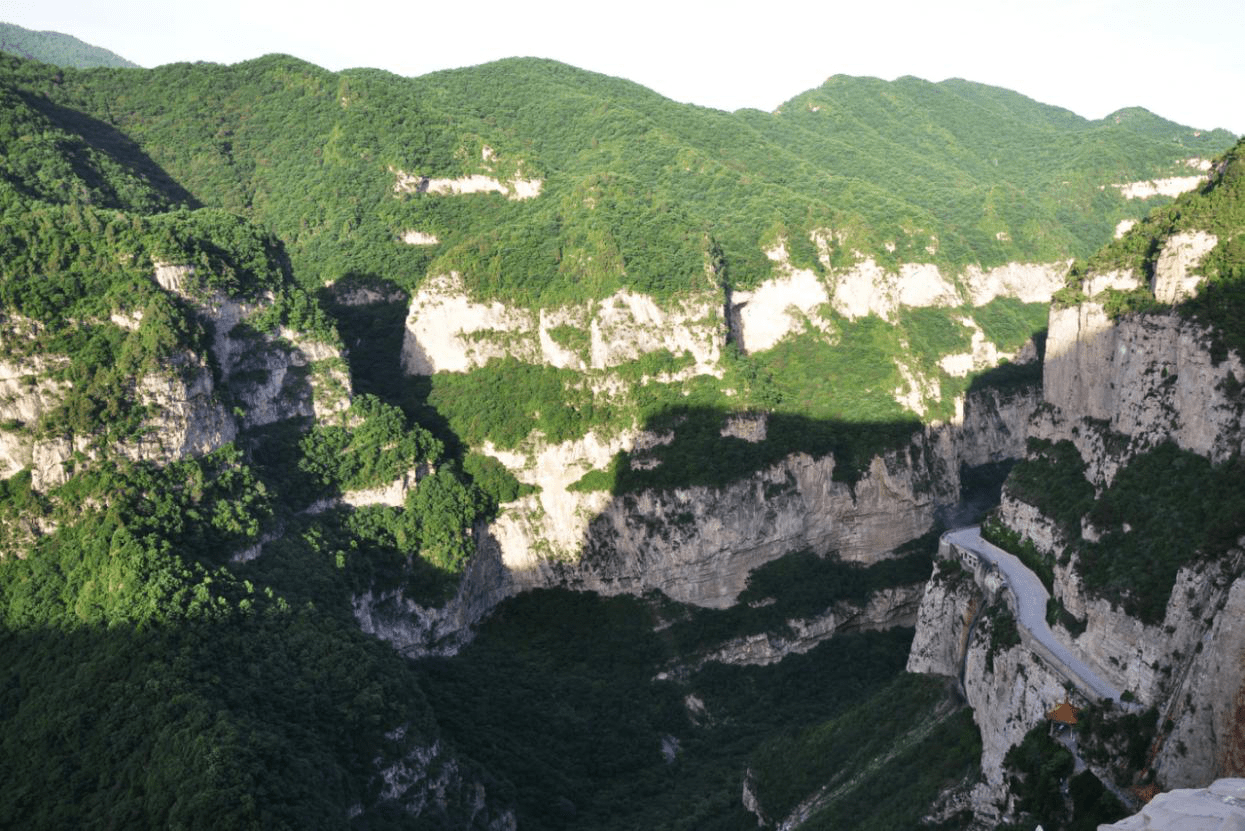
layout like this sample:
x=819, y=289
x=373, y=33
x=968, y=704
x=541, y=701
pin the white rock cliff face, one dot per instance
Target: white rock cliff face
x=271, y=377
x=447, y=331
x=1181, y=254
x=1009, y=691
x=1208, y=739
x=1151, y=378
x=699, y=544
x=1007, y=700
x=26, y=394
x=949, y=603
x=1114, y=389
x=185, y=419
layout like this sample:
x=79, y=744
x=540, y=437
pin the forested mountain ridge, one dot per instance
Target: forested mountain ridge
x=56, y=48
x=234, y=434
x=907, y=163
x=898, y=185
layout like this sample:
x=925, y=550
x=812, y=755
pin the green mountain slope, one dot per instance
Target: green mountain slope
x=57, y=48
x=312, y=154
x=166, y=238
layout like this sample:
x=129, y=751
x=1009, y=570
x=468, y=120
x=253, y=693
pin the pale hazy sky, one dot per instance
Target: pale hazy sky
x=1182, y=59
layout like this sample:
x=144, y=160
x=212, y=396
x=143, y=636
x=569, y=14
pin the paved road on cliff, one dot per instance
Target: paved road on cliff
x=1031, y=597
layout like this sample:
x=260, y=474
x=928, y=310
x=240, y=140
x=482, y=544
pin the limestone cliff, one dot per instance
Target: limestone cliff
x=1009, y=688
x=1208, y=738
x=699, y=544
x=1151, y=378
x=949, y=606
x=447, y=330
x=1010, y=691
x=1116, y=387
x=886, y=608
x=193, y=404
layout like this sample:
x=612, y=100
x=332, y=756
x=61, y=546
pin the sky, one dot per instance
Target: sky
x=1181, y=59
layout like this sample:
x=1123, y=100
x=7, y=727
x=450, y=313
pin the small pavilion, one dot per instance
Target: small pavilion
x=1064, y=714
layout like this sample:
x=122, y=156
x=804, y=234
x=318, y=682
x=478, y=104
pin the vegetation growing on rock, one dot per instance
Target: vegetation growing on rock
x=181, y=628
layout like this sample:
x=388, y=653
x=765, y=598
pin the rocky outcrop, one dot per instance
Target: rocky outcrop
x=698, y=544
x=1028, y=282
x=428, y=783
x=193, y=404
x=1151, y=378
x=887, y=608
x=1218, y=807
x=27, y=393
x=949, y=604
x=989, y=426
x=1208, y=738
x=866, y=288
x=515, y=188
x=448, y=331
x=271, y=376
x=1148, y=660
x=184, y=415
x=1009, y=692
x=1174, y=273
x=431, y=628
x=391, y=494
x=1169, y=186
x=1030, y=523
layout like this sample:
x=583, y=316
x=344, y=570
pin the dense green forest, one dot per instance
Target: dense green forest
x=636, y=192
x=56, y=48
x=180, y=635
x=979, y=174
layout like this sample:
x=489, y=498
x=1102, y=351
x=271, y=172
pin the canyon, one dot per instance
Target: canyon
x=512, y=447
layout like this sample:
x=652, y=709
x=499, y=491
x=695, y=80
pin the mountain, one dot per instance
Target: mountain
x=1128, y=503
x=57, y=48
x=510, y=446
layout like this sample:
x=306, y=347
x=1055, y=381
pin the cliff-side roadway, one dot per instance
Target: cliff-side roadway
x=1031, y=597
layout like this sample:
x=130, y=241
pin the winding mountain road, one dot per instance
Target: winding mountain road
x=1031, y=597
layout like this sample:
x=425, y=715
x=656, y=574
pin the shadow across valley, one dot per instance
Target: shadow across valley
x=697, y=446
x=116, y=145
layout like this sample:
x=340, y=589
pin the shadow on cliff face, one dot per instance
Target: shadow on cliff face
x=702, y=547
x=981, y=490
x=370, y=313
x=700, y=446
x=1009, y=377
x=775, y=483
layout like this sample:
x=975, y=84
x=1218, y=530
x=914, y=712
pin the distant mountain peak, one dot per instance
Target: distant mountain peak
x=57, y=48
